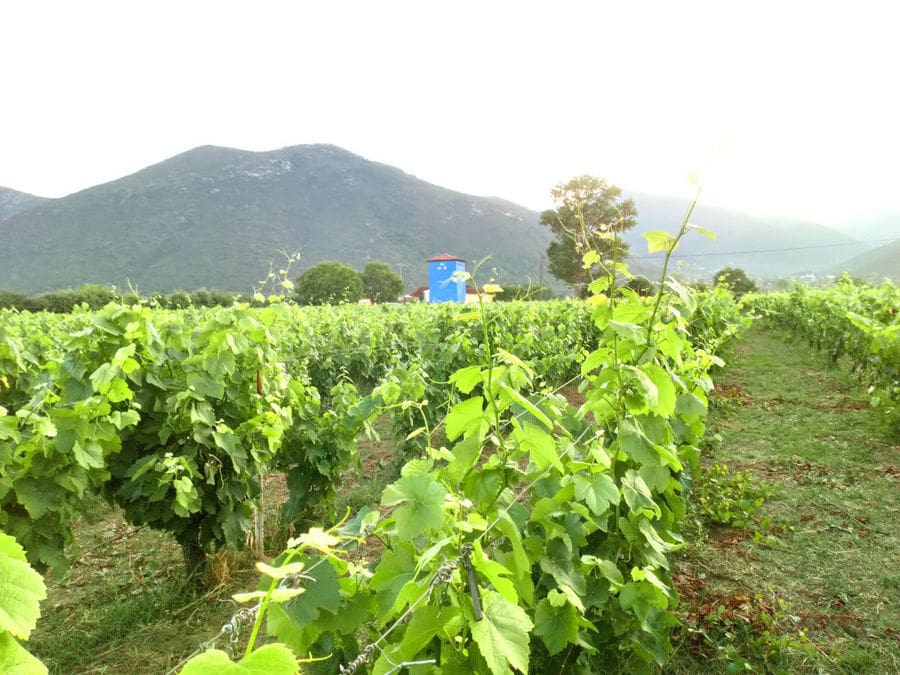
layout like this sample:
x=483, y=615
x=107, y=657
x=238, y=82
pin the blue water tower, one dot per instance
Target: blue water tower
x=441, y=288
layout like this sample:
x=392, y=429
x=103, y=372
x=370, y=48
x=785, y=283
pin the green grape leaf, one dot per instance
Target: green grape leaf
x=659, y=240
x=637, y=494
x=236, y=522
x=502, y=634
x=16, y=660
x=103, y=376
x=653, y=539
x=202, y=413
x=11, y=548
x=37, y=496
x=422, y=499
x=513, y=533
x=641, y=393
x=42, y=426
x=272, y=659
x=514, y=360
x=598, y=492
x=515, y=397
x=690, y=407
x=225, y=439
x=465, y=455
x=425, y=623
x=598, y=357
x=21, y=590
x=608, y=569
x=665, y=405
x=206, y=386
x=641, y=598
x=118, y=391
x=557, y=562
x=465, y=379
x=590, y=259
x=126, y=418
x=90, y=456
x=495, y=573
x=464, y=417
x=685, y=295
x=396, y=567
x=709, y=234
x=633, y=441
x=541, y=447
x=555, y=622
x=629, y=331
x=322, y=592
x=107, y=324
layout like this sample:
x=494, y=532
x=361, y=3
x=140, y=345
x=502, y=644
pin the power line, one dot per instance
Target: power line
x=767, y=250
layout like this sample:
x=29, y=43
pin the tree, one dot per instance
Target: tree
x=381, y=283
x=735, y=280
x=95, y=295
x=12, y=300
x=329, y=283
x=589, y=214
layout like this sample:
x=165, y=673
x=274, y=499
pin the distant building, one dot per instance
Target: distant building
x=420, y=294
x=442, y=285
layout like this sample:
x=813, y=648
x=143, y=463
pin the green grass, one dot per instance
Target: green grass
x=124, y=606
x=813, y=584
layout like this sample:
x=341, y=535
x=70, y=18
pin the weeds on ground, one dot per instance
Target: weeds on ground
x=807, y=583
x=726, y=497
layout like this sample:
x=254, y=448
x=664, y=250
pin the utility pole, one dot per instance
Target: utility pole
x=541, y=274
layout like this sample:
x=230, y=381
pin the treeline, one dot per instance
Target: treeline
x=96, y=296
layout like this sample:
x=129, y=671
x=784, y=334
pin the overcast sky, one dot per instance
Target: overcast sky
x=782, y=107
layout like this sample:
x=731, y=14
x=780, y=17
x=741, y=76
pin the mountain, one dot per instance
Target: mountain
x=875, y=265
x=13, y=202
x=873, y=227
x=216, y=217
x=762, y=247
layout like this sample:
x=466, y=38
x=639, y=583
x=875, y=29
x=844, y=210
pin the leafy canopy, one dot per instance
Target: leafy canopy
x=589, y=213
x=735, y=280
x=329, y=283
x=381, y=283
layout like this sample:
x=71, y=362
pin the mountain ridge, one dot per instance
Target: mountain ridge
x=15, y=201
x=215, y=216
x=239, y=208
x=763, y=247
x=874, y=265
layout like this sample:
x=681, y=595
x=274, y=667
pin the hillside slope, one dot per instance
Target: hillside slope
x=216, y=216
x=13, y=202
x=763, y=247
x=875, y=265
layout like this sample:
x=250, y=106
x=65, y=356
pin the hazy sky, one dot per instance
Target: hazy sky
x=788, y=107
